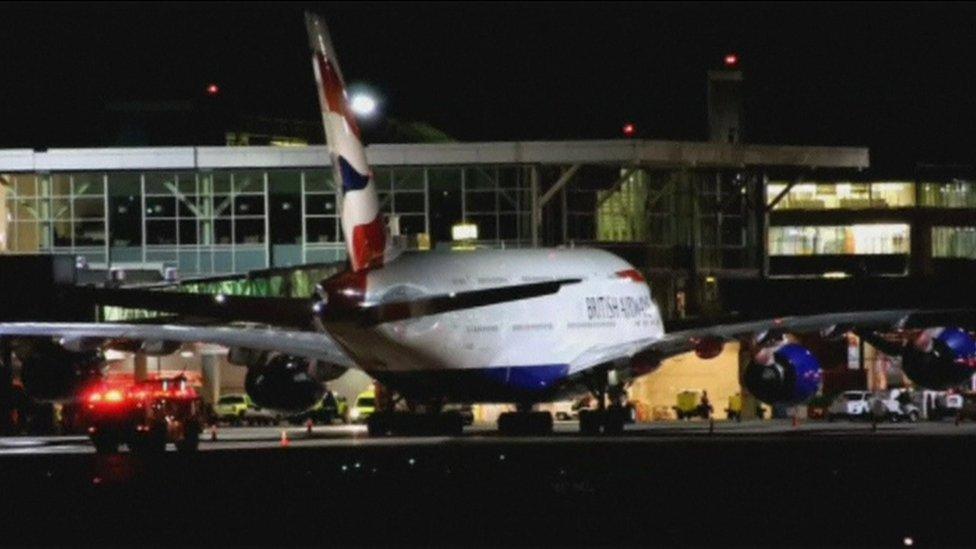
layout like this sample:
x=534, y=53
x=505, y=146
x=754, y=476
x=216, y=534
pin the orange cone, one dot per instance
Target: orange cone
x=308, y=427
x=284, y=439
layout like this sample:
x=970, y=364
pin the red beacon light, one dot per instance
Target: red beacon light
x=213, y=89
x=629, y=130
x=731, y=60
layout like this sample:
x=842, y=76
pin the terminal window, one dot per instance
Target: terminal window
x=959, y=242
x=866, y=239
x=843, y=195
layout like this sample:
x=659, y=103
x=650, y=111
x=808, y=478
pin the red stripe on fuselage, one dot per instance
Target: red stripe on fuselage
x=368, y=244
x=334, y=92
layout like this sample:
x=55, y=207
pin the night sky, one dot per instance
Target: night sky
x=896, y=78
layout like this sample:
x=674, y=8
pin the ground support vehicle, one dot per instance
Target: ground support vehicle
x=145, y=416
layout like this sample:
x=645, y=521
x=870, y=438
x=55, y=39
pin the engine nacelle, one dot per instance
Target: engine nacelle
x=788, y=374
x=940, y=358
x=50, y=372
x=285, y=383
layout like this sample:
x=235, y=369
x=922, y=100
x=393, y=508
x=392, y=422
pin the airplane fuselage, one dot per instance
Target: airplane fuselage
x=519, y=350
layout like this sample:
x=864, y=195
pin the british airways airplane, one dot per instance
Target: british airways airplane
x=512, y=326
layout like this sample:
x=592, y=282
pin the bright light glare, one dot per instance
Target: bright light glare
x=363, y=104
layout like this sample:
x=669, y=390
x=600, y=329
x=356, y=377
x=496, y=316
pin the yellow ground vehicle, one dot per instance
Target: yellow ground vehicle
x=364, y=407
x=690, y=404
x=734, y=411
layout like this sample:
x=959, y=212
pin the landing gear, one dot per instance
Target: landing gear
x=415, y=424
x=607, y=420
x=525, y=423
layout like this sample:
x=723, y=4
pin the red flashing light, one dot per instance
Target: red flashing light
x=213, y=89
x=731, y=60
x=629, y=129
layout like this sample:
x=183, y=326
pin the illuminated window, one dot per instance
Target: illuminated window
x=954, y=194
x=867, y=239
x=843, y=195
x=954, y=242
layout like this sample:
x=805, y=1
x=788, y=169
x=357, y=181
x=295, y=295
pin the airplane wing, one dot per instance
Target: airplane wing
x=683, y=341
x=313, y=345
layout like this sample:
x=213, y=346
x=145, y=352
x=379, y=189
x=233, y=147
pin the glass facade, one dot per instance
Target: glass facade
x=843, y=195
x=953, y=194
x=862, y=239
x=229, y=221
x=957, y=242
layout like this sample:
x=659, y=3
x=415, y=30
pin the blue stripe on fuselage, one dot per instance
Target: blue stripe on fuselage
x=351, y=179
x=499, y=384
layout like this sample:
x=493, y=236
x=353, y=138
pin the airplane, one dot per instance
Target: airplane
x=522, y=326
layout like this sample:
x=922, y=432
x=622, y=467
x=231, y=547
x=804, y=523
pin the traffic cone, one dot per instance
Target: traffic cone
x=308, y=427
x=213, y=433
x=284, y=439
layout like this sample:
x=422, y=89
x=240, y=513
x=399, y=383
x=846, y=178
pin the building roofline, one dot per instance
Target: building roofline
x=655, y=154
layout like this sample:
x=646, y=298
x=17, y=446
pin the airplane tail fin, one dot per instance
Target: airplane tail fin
x=362, y=222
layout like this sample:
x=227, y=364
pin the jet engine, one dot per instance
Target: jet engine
x=940, y=358
x=52, y=372
x=787, y=374
x=284, y=382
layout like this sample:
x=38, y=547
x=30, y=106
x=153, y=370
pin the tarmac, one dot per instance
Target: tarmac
x=671, y=483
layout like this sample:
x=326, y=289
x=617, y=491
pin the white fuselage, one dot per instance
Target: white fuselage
x=540, y=337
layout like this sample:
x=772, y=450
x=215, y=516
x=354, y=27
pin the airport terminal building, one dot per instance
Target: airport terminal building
x=691, y=216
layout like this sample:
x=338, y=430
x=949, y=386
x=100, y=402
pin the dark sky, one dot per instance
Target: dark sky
x=897, y=78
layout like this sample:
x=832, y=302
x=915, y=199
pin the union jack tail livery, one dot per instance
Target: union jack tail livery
x=362, y=223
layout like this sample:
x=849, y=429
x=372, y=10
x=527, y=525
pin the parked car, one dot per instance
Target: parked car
x=239, y=409
x=893, y=405
x=364, y=407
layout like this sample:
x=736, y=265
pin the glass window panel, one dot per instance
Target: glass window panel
x=408, y=179
x=187, y=183
x=958, y=242
x=953, y=194
x=319, y=180
x=409, y=203
x=220, y=182
x=187, y=232
x=480, y=201
x=87, y=208
x=89, y=183
x=321, y=229
x=479, y=178
x=249, y=205
x=487, y=226
x=248, y=182
x=320, y=204
x=60, y=184
x=284, y=182
x=89, y=233
x=222, y=231
x=160, y=206
x=411, y=224
x=222, y=205
x=249, y=231
x=508, y=227
x=865, y=239
x=160, y=183
x=160, y=232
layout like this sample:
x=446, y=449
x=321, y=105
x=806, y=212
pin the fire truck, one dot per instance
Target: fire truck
x=144, y=416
